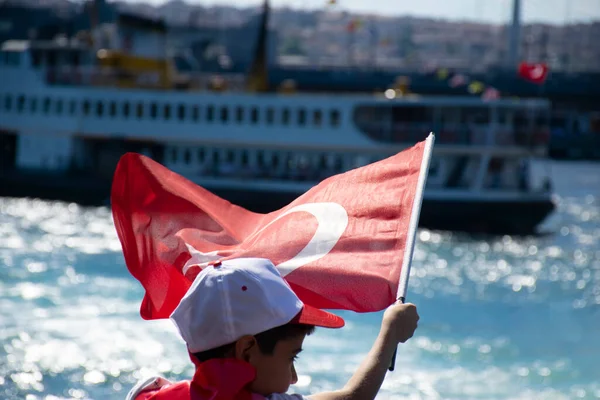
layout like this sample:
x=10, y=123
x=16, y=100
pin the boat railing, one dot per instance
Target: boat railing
x=118, y=77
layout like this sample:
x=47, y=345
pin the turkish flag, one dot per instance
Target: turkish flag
x=340, y=245
x=535, y=73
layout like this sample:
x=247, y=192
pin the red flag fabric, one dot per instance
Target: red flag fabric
x=535, y=73
x=340, y=245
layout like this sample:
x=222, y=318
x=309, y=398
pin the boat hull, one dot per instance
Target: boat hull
x=475, y=215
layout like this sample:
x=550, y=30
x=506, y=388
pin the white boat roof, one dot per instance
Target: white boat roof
x=57, y=44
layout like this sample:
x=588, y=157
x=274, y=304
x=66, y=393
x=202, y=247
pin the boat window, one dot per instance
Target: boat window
x=112, y=109
x=260, y=159
x=476, y=115
x=72, y=107
x=181, y=112
x=245, y=158
x=51, y=59
x=36, y=58
x=224, y=114
x=11, y=58
x=230, y=157
x=174, y=155
x=33, y=105
x=201, y=154
x=167, y=111
x=8, y=102
x=285, y=116
x=195, y=113
x=595, y=123
x=126, y=110
x=504, y=116
x=254, y=115
x=86, y=107
x=153, y=110
x=302, y=117
x=20, y=103
x=449, y=116
x=239, y=114
x=47, y=104
x=140, y=110
x=99, y=108
x=210, y=113
x=187, y=156
x=334, y=116
x=59, y=106
x=317, y=117
x=270, y=116
x=379, y=123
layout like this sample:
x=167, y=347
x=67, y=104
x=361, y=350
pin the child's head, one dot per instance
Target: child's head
x=244, y=309
x=272, y=353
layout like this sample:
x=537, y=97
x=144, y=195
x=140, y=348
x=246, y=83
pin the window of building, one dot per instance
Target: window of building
x=33, y=105
x=86, y=107
x=59, y=106
x=126, y=110
x=167, y=111
x=254, y=115
x=187, y=156
x=140, y=110
x=195, y=113
x=174, y=155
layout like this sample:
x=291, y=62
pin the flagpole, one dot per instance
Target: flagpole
x=412, y=227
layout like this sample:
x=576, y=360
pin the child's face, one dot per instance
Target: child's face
x=275, y=372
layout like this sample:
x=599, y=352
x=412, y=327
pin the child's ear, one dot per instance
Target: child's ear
x=245, y=347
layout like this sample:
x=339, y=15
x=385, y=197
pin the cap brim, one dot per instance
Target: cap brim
x=314, y=316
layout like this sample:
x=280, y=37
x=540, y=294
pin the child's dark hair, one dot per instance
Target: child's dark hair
x=266, y=341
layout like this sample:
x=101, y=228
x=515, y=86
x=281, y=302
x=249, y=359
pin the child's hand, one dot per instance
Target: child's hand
x=400, y=321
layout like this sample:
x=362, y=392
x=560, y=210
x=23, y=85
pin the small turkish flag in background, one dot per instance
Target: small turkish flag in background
x=340, y=245
x=535, y=73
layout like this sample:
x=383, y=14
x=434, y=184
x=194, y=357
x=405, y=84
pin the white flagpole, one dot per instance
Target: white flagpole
x=413, y=224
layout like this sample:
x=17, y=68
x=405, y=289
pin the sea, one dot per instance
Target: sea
x=501, y=317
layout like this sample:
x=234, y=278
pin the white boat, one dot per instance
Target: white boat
x=64, y=122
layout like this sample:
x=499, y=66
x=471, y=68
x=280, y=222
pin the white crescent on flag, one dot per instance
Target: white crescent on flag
x=332, y=220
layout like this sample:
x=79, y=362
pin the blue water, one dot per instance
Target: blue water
x=503, y=318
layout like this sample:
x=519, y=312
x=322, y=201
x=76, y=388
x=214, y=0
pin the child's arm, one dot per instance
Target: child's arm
x=398, y=325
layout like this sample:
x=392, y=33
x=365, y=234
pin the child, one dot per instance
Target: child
x=244, y=328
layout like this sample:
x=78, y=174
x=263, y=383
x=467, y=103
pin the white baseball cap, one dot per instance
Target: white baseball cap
x=244, y=296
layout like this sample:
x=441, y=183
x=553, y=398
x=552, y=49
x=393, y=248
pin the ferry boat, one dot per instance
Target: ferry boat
x=69, y=110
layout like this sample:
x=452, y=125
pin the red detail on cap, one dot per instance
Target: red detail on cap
x=244, y=288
